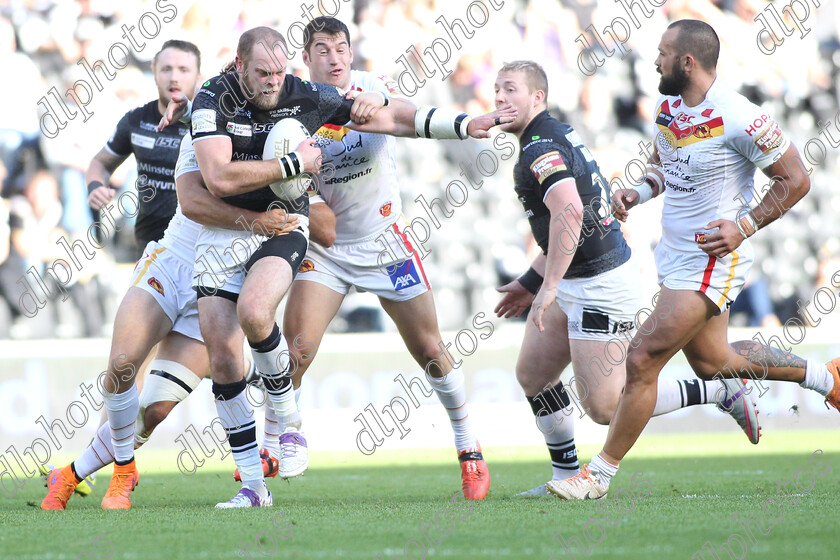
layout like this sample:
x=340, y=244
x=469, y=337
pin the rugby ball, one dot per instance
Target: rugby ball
x=284, y=137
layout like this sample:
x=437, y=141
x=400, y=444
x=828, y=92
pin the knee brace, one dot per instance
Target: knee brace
x=167, y=381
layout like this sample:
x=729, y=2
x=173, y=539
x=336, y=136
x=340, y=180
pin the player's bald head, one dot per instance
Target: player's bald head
x=269, y=38
x=698, y=39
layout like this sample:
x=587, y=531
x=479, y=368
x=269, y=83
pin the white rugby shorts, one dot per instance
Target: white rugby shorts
x=720, y=280
x=382, y=264
x=221, y=256
x=603, y=306
x=169, y=280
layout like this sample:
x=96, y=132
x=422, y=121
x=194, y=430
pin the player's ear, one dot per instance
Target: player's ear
x=239, y=64
x=539, y=97
x=305, y=55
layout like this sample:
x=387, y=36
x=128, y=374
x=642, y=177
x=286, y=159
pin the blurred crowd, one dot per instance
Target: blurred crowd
x=486, y=241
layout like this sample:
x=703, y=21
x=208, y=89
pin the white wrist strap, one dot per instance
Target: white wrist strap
x=440, y=124
x=653, y=173
x=645, y=192
x=290, y=164
x=186, y=116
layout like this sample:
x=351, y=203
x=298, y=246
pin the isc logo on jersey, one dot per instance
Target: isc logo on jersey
x=260, y=128
x=405, y=275
x=165, y=142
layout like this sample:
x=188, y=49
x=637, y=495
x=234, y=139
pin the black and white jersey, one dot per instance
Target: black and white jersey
x=550, y=152
x=156, y=154
x=220, y=110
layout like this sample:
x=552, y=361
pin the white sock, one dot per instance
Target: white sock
x=271, y=432
x=122, y=416
x=282, y=401
x=271, y=356
x=817, y=378
x=603, y=469
x=99, y=453
x=257, y=485
x=237, y=417
x=674, y=394
x=452, y=394
x=560, y=442
x=557, y=424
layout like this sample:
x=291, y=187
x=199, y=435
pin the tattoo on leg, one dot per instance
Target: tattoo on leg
x=767, y=356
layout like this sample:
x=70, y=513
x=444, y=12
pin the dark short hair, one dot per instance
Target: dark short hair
x=185, y=46
x=697, y=38
x=323, y=24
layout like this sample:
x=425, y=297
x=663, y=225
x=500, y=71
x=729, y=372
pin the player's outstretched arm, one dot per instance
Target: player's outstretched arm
x=402, y=118
x=200, y=206
x=519, y=294
x=98, y=175
x=790, y=182
x=563, y=240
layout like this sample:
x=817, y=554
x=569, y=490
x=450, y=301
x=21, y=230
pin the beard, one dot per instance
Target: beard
x=266, y=103
x=674, y=84
x=253, y=92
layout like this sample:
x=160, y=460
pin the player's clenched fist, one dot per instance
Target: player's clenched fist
x=622, y=201
x=100, y=196
x=365, y=105
x=310, y=156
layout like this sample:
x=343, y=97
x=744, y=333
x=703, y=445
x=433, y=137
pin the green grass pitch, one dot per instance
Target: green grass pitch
x=352, y=506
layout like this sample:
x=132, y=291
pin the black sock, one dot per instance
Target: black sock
x=73, y=468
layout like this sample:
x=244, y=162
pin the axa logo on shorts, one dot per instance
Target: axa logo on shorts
x=405, y=275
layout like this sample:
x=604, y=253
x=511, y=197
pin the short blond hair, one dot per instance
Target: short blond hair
x=534, y=74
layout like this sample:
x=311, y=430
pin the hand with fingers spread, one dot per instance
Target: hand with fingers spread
x=176, y=109
x=725, y=240
x=622, y=201
x=479, y=126
x=515, y=301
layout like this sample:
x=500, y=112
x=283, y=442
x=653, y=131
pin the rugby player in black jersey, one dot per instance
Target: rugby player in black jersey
x=586, y=267
x=176, y=70
x=231, y=118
